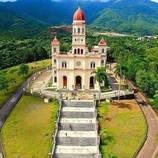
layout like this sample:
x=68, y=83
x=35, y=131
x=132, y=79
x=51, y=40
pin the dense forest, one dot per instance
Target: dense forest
x=137, y=59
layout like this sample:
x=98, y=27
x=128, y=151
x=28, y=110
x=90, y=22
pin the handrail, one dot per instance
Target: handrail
x=57, y=129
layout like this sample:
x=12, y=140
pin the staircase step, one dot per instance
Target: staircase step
x=76, y=149
x=78, y=120
x=77, y=141
x=77, y=127
x=75, y=155
x=78, y=109
x=74, y=103
x=79, y=134
x=78, y=115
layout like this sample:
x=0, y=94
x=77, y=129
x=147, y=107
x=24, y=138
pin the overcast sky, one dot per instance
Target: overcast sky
x=59, y=0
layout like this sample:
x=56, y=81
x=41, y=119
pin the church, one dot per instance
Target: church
x=74, y=70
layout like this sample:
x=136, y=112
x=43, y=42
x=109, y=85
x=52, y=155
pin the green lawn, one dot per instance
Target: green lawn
x=28, y=130
x=122, y=128
x=12, y=73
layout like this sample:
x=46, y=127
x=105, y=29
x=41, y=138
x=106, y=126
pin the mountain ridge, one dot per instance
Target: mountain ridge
x=129, y=16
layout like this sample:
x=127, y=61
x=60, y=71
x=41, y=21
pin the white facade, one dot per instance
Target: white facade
x=74, y=70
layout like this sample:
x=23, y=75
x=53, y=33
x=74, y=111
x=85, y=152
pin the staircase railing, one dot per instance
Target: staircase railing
x=51, y=155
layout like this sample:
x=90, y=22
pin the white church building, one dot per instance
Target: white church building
x=74, y=70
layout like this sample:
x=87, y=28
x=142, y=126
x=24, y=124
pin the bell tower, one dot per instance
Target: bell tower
x=78, y=32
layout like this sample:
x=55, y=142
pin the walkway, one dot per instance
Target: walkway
x=150, y=148
x=77, y=136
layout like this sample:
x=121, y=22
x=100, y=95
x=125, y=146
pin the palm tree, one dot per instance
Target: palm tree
x=118, y=73
x=121, y=71
x=100, y=77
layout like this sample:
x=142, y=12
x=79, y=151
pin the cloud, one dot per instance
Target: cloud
x=155, y=1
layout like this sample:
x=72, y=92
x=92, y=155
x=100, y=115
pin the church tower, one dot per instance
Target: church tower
x=55, y=46
x=78, y=33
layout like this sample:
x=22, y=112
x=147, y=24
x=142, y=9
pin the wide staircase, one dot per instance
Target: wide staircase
x=77, y=135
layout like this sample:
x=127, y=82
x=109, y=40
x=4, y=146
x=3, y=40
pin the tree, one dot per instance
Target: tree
x=23, y=69
x=155, y=102
x=100, y=77
x=3, y=83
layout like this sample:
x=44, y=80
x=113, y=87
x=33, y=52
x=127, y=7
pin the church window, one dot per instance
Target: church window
x=102, y=50
x=92, y=65
x=78, y=51
x=74, y=30
x=81, y=51
x=102, y=62
x=55, y=71
x=55, y=79
x=75, y=51
x=64, y=64
x=55, y=61
x=55, y=50
x=83, y=30
x=78, y=30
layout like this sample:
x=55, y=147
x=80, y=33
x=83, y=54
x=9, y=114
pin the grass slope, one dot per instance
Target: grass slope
x=12, y=73
x=27, y=132
x=125, y=126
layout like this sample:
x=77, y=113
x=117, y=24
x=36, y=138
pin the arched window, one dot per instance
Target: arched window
x=55, y=61
x=81, y=51
x=102, y=63
x=55, y=79
x=92, y=65
x=102, y=50
x=75, y=51
x=83, y=30
x=64, y=82
x=64, y=64
x=55, y=50
x=78, y=51
x=91, y=82
x=79, y=30
x=74, y=30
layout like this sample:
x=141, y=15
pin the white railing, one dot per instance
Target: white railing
x=57, y=129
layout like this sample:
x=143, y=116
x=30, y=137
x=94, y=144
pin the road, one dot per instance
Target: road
x=10, y=104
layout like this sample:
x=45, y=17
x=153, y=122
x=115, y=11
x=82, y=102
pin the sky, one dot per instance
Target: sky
x=79, y=0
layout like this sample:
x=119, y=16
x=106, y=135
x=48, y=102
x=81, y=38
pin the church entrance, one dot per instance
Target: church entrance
x=64, y=82
x=91, y=82
x=78, y=82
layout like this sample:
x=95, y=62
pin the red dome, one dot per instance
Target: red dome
x=55, y=41
x=79, y=15
x=102, y=42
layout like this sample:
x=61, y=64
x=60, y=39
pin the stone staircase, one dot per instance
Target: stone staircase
x=77, y=135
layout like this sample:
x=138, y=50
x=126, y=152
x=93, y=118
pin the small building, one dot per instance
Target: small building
x=74, y=70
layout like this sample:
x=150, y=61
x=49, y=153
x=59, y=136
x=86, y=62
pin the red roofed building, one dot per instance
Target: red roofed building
x=79, y=15
x=102, y=42
x=74, y=69
x=55, y=41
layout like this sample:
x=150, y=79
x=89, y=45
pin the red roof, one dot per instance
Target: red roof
x=79, y=15
x=102, y=42
x=55, y=41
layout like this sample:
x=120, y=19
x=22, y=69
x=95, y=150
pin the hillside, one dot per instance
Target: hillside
x=13, y=26
x=131, y=16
